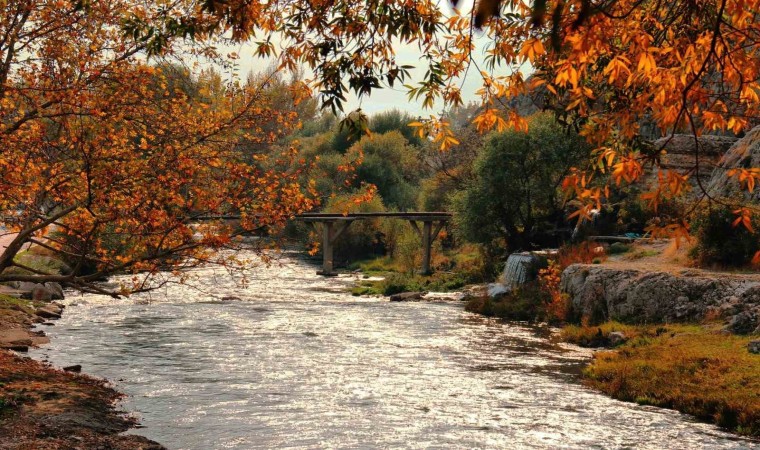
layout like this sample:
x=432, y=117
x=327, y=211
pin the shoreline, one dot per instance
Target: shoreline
x=43, y=407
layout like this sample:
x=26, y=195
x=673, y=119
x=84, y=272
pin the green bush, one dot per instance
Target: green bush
x=528, y=303
x=720, y=243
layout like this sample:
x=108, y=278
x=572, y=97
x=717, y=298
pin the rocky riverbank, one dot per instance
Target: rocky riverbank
x=42, y=407
x=599, y=293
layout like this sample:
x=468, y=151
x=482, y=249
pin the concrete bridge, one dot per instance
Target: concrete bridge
x=333, y=225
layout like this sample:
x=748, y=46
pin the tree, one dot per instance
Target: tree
x=391, y=164
x=605, y=66
x=104, y=165
x=516, y=191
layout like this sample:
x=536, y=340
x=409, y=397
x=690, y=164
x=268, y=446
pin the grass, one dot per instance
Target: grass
x=642, y=254
x=694, y=369
x=526, y=304
x=8, y=303
x=395, y=282
x=454, y=270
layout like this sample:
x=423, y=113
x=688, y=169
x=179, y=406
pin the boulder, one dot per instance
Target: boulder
x=407, y=297
x=744, y=153
x=743, y=323
x=51, y=311
x=55, y=289
x=599, y=293
x=497, y=290
x=754, y=347
x=76, y=368
x=37, y=291
x=678, y=152
x=617, y=338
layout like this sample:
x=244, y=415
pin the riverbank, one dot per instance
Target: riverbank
x=692, y=348
x=694, y=368
x=698, y=369
x=46, y=408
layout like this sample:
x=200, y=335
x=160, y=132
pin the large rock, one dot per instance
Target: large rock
x=407, y=297
x=37, y=291
x=600, y=293
x=679, y=154
x=51, y=311
x=745, y=153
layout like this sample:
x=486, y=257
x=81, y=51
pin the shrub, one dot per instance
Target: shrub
x=528, y=303
x=583, y=253
x=720, y=243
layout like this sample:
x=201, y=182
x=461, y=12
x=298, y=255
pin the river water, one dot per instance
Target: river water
x=296, y=362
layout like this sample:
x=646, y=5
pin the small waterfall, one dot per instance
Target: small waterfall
x=517, y=270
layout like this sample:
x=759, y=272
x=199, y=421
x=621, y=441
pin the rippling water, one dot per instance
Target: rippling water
x=298, y=363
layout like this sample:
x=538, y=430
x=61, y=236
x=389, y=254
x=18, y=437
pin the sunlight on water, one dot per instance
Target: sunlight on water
x=298, y=363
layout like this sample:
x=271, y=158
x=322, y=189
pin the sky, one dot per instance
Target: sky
x=386, y=98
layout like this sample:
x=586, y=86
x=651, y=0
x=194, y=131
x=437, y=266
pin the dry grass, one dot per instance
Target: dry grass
x=694, y=369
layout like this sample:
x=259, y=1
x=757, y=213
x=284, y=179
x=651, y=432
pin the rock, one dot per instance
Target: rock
x=617, y=338
x=497, y=290
x=679, y=155
x=743, y=323
x=407, y=296
x=744, y=153
x=754, y=347
x=76, y=368
x=17, y=339
x=600, y=293
x=230, y=298
x=56, y=290
x=40, y=292
x=49, y=312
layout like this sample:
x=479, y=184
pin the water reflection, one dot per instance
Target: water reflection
x=297, y=363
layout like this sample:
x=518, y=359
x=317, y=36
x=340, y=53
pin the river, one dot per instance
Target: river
x=293, y=361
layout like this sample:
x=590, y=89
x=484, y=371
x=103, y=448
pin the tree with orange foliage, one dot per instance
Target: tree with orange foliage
x=606, y=66
x=107, y=163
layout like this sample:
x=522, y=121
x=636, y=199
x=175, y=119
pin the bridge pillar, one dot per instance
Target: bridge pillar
x=428, y=235
x=331, y=230
x=427, y=227
x=327, y=250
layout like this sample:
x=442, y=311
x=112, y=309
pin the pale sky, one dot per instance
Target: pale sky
x=386, y=98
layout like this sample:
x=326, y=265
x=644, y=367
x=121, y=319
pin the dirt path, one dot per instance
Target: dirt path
x=665, y=256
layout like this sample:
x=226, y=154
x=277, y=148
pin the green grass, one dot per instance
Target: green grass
x=525, y=304
x=462, y=267
x=12, y=303
x=695, y=369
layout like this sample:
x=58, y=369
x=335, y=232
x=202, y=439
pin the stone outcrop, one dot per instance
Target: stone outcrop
x=407, y=297
x=38, y=291
x=680, y=155
x=745, y=153
x=598, y=293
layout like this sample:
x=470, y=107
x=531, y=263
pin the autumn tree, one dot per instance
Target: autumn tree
x=108, y=161
x=605, y=66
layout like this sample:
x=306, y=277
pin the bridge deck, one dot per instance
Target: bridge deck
x=415, y=215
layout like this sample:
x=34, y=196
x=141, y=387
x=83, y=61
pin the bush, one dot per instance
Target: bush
x=528, y=303
x=720, y=243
